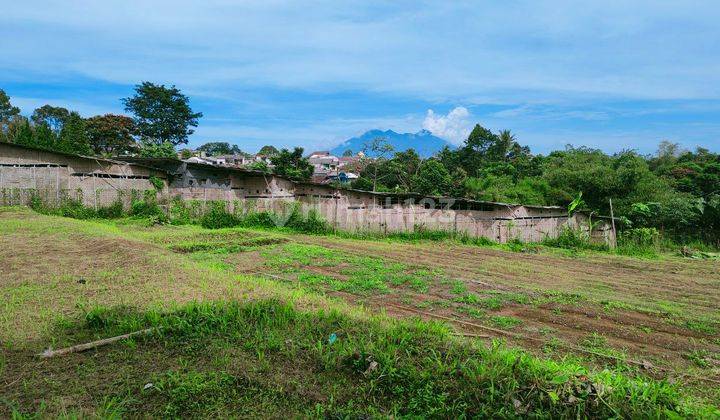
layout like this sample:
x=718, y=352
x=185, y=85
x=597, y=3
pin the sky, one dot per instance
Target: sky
x=612, y=75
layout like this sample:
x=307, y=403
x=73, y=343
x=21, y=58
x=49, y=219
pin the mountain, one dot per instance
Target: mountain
x=424, y=143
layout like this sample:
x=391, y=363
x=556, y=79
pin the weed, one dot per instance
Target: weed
x=505, y=322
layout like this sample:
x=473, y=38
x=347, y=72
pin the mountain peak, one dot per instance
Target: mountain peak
x=424, y=142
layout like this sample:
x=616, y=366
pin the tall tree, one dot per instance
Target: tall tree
x=292, y=164
x=268, y=151
x=44, y=137
x=7, y=110
x=73, y=136
x=111, y=134
x=53, y=116
x=22, y=132
x=380, y=148
x=219, y=148
x=162, y=114
x=7, y=113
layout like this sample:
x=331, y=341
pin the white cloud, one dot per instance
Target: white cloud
x=454, y=126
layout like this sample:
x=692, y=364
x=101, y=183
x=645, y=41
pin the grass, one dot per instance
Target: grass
x=253, y=358
x=234, y=344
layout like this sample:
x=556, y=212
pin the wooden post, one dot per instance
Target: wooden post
x=612, y=219
x=94, y=191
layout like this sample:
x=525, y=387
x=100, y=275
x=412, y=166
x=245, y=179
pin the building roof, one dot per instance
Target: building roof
x=117, y=160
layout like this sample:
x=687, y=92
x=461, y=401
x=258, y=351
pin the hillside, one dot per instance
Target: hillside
x=424, y=142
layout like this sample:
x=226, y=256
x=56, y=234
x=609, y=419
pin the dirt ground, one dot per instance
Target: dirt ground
x=660, y=316
x=656, y=315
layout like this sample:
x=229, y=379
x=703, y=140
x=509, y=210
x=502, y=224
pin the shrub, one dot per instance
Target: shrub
x=574, y=239
x=217, y=217
x=113, y=211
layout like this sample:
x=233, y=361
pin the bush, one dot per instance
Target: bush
x=217, y=217
x=113, y=211
x=574, y=239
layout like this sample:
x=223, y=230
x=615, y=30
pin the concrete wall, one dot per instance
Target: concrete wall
x=54, y=176
x=100, y=182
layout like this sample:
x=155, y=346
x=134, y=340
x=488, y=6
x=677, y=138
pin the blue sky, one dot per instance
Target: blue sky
x=608, y=74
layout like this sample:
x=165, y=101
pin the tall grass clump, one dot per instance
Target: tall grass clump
x=374, y=367
x=573, y=239
x=639, y=242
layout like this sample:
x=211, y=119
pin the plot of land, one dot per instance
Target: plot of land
x=655, y=317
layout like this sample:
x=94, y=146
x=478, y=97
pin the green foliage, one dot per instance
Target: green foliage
x=268, y=151
x=219, y=148
x=373, y=368
x=111, y=135
x=574, y=239
x=217, y=217
x=157, y=183
x=292, y=164
x=53, y=116
x=153, y=150
x=162, y=114
x=7, y=110
x=148, y=207
x=73, y=136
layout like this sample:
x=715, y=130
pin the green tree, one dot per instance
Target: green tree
x=348, y=153
x=44, y=137
x=186, y=153
x=379, y=149
x=292, y=164
x=7, y=113
x=53, y=116
x=219, y=148
x=111, y=135
x=433, y=179
x=23, y=133
x=162, y=114
x=73, y=136
x=268, y=151
x=152, y=150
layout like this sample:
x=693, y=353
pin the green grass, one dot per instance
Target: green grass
x=354, y=274
x=254, y=359
x=256, y=347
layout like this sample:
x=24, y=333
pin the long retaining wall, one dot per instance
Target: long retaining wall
x=96, y=182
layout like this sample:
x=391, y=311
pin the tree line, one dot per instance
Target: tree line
x=674, y=191
x=161, y=120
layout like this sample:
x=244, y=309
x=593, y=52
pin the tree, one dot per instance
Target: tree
x=73, y=136
x=162, y=114
x=7, y=113
x=268, y=151
x=379, y=148
x=111, y=134
x=53, y=116
x=22, y=132
x=432, y=178
x=292, y=164
x=348, y=153
x=152, y=150
x=44, y=137
x=219, y=148
x=7, y=110
x=186, y=153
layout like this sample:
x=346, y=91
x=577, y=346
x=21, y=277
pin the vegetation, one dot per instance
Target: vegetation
x=675, y=192
x=226, y=343
x=292, y=164
x=219, y=148
x=162, y=114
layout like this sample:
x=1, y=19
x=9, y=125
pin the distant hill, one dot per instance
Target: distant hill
x=424, y=142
